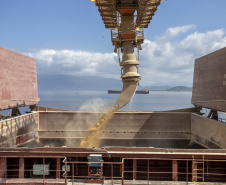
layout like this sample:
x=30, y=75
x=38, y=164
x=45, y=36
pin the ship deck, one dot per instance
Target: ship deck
x=106, y=182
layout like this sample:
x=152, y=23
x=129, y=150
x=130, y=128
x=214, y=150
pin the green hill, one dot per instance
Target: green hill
x=180, y=89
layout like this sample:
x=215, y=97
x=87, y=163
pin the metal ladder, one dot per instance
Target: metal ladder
x=201, y=170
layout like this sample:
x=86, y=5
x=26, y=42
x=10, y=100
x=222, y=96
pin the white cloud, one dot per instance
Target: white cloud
x=172, y=62
x=76, y=62
x=164, y=61
x=173, y=32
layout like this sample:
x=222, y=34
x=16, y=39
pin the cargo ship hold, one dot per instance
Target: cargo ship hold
x=42, y=147
x=174, y=147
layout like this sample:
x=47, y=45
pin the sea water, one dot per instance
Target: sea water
x=99, y=100
x=84, y=100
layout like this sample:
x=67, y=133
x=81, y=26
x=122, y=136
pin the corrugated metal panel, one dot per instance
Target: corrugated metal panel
x=19, y=130
x=213, y=136
x=18, y=80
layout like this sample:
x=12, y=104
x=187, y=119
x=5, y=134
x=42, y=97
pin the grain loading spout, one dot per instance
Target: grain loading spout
x=127, y=20
x=128, y=91
x=130, y=77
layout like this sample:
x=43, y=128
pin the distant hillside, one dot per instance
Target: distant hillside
x=180, y=88
x=59, y=82
x=156, y=88
x=53, y=82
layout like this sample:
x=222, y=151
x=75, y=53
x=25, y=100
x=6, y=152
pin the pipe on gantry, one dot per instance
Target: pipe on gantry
x=125, y=18
x=129, y=71
x=130, y=76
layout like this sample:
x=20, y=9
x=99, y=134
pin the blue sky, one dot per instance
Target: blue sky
x=69, y=37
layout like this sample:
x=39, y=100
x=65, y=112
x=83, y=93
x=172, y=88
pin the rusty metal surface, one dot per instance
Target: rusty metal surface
x=41, y=109
x=19, y=130
x=124, y=129
x=209, y=84
x=106, y=182
x=18, y=80
x=114, y=152
x=208, y=132
x=18, y=181
x=191, y=110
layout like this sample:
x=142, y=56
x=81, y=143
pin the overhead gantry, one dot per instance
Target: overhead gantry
x=127, y=20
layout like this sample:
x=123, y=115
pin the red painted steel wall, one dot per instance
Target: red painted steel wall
x=18, y=80
x=209, y=84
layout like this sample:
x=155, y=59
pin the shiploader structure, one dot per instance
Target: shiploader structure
x=127, y=20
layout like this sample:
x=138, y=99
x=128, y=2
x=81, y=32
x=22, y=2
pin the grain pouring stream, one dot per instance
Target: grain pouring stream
x=92, y=139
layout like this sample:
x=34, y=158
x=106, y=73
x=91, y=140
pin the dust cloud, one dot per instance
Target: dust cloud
x=92, y=139
x=90, y=118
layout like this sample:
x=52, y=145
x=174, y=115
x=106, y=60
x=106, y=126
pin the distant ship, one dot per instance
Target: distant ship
x=143, y=91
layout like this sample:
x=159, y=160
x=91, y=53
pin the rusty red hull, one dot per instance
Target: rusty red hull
x=119, y=163
x=209, y=84
x=18, y=80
